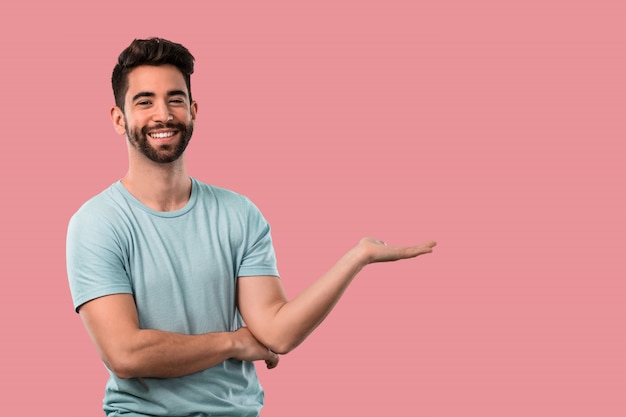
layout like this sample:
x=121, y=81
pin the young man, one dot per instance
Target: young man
x=163, y=268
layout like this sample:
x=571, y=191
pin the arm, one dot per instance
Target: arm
x=282, y=325
x=129, y=351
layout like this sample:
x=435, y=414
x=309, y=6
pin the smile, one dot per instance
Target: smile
x=162, y=135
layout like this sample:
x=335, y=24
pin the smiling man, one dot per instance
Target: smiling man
x=169, y=138
x=165, y=269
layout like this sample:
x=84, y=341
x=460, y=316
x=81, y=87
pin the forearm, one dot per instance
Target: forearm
x=297, y=318
x=159, y=354
x=129, y=351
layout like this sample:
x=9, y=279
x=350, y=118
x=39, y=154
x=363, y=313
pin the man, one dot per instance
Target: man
x=163, y=268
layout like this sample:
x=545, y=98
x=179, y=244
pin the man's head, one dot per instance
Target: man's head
x=155, y=52
x=153, y=102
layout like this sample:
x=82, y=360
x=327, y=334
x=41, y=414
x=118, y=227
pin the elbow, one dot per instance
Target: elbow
x=122, y=373
x=283, y=346
x=280, y=349
x=122, y=366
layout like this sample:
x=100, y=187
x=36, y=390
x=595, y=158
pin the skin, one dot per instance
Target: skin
x=158, y=97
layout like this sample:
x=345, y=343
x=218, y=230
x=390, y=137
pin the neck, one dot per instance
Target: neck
x=162, y=187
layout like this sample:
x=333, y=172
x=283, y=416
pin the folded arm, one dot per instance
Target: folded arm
x=129, y=351
x=280, y=324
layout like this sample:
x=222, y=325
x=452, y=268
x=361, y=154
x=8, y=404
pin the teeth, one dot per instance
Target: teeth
x=162, y=135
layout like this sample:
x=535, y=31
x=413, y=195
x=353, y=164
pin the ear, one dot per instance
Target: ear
x=117, y=117
x=194, y=110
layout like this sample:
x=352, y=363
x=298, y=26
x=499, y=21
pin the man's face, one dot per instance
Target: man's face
x=158, y=116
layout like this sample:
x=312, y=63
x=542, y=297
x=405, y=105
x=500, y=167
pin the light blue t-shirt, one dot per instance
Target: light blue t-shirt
x=181, y=267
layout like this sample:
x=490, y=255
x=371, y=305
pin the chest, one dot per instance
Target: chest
x=183, y=273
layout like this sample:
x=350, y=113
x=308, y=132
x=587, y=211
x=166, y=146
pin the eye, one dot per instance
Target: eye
x=143, y=103
x=177, y=101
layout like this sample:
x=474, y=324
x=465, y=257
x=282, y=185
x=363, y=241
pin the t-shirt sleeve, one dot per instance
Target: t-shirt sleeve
x=259, y=257
x=94, y=255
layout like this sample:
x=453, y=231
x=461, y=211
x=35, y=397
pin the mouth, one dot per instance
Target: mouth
x=163, y=135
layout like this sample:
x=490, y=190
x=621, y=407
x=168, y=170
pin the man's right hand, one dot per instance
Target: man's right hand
x=248, y=348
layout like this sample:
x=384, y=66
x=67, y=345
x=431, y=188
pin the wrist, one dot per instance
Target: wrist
x=358, y=256
x=235, y=345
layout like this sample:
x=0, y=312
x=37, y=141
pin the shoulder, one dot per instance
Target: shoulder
x=103, y=209
x=229, y=206
x=222, y=196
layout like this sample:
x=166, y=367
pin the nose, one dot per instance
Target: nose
x=161, y=113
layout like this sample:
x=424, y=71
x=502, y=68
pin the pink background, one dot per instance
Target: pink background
x=495, y=127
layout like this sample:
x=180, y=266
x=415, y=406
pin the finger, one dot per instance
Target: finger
x=272, y=361
x=422, y=249
x=428, y=246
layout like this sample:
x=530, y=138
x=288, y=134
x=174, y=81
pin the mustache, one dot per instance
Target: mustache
x=178, y=126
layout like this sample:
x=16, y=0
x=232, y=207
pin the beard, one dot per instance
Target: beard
x=167, y=152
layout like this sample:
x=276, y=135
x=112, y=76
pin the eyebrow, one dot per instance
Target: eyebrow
x=150, y=94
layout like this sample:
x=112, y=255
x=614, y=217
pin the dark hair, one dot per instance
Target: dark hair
x=152, y=51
